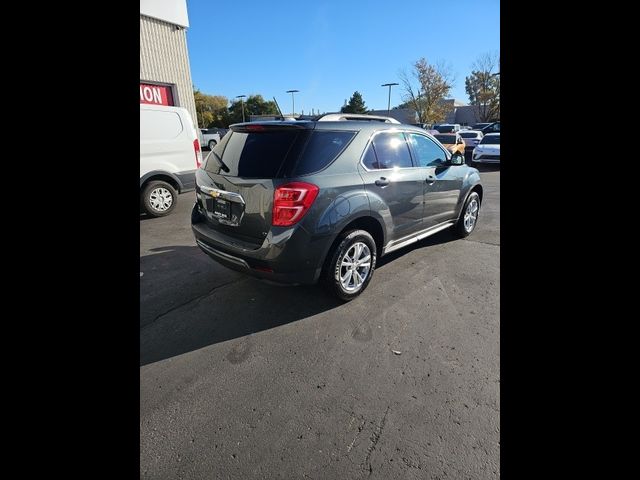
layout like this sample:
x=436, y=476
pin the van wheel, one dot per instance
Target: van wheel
x=159, y=198
x=351, y=265
x=212, y=143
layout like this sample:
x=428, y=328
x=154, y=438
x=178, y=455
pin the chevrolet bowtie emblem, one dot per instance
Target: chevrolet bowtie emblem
x=214, y=193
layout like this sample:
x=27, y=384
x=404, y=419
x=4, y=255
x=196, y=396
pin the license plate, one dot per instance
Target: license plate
x=222, y=208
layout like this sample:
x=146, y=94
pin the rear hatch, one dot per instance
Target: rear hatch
x=237, y=184
x=471, y=139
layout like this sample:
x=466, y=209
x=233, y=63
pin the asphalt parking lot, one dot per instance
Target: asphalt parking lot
x=241, y=379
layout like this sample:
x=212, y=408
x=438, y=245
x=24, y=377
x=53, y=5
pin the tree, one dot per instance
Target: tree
x=253, y=105
x=483, y=87
x=355, y=105
x=434, y=84
x=210, y=109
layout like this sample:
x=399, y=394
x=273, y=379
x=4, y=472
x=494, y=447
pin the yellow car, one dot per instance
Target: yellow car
x=451, y=141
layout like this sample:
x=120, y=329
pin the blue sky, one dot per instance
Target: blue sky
x=329, y=49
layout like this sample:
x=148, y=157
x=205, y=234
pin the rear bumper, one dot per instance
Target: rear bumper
x=290, y=256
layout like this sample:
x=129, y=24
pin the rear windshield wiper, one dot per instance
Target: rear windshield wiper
x=222, y=164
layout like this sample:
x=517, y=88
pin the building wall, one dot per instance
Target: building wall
x=164, y=58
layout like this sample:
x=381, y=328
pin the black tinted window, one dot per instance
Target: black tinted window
x=321, y=149
x=369, y=160
x=277, y=154
x=254, y=155
x=429, y=154
x=446, y=138
x=469, y=135
x=445, y=128
x=391, y=150
x=491, y=140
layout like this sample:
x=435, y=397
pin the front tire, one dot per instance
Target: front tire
x=212, y=143
x=351, y=265
x=469, y=216
x=159, y=198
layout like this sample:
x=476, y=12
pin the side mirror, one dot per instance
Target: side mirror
x=457, y=159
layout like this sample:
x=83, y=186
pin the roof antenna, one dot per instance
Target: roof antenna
x=278, y=106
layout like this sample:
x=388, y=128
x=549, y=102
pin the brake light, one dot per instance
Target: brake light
x=196, y=147
x=291, y=202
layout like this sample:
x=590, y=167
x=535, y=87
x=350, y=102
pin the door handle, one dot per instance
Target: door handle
x=382, y=182
x=430, y=179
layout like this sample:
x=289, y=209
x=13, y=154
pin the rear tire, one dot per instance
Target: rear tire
x=212, y=144
x=468, y=216
x=159, y=198
x=350, y=265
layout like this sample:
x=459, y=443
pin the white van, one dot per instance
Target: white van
x=169, y=156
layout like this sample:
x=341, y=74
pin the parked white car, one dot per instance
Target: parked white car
x=169, y=156
x=471, y=139
x=209, y=138
x=488, y=150
x=447, y=127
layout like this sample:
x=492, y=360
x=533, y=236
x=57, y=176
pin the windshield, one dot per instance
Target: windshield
x=448, y=139
x=491, y=140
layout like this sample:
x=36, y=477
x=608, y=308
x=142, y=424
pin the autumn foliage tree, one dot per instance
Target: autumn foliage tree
x=210, y=109
x=253, y=105
x=434, y=82
x=483, y=87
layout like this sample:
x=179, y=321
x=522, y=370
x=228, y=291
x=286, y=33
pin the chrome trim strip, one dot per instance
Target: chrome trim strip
x=215, y=192
x=224, y=256
x=427, y=232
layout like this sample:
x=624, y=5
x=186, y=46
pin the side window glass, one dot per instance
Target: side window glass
x=392, y=150
x=428, y=153
x=370, y=160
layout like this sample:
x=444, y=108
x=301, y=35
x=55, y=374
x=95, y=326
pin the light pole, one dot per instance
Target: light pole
x=242, y=104
x=389, y=102
x=293, y=102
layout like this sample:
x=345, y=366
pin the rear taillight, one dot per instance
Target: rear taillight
x=291, y=201
x=196, y=147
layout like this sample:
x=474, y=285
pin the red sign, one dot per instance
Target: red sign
x=156, y=94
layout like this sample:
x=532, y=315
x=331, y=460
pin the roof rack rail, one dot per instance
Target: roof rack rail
x=336, y=117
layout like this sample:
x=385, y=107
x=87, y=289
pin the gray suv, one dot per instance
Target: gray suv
x=301, y=201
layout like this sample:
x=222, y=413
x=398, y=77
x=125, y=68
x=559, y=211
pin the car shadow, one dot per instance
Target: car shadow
x=487, y=167
x=189, y=302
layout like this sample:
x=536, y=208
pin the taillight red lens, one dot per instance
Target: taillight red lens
x=196, y=147
x=291, y=201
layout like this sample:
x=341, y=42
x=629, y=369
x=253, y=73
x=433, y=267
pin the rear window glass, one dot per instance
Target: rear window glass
x=278, y=154
x=445, y=128
x=491, y=140
x=448, y=139
x=469, y=135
